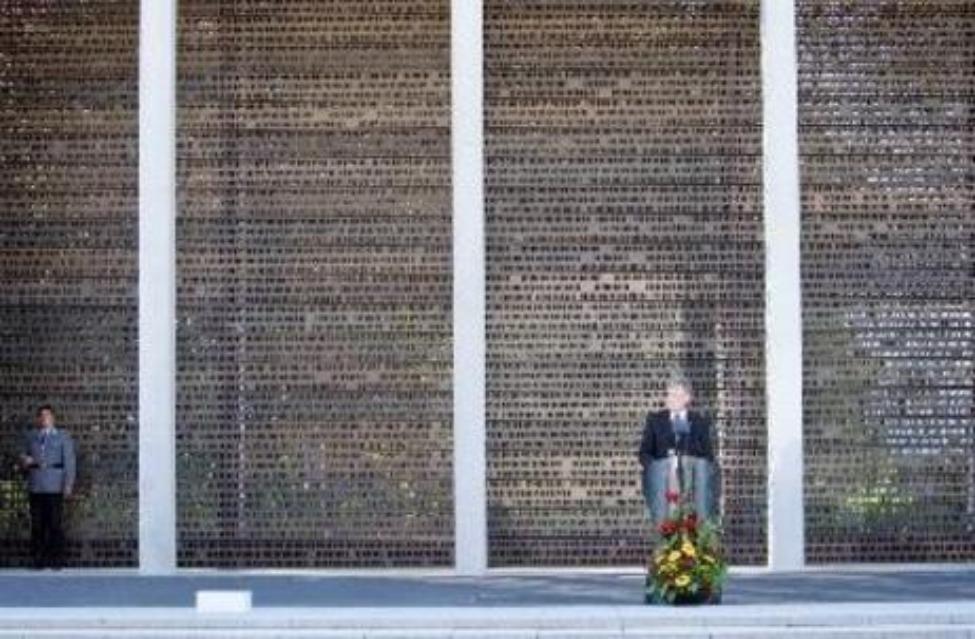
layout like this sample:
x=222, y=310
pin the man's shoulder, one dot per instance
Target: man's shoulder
x=658, y=415
x=699, y=416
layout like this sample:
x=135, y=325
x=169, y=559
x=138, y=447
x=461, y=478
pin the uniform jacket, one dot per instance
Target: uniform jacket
x=54, y=461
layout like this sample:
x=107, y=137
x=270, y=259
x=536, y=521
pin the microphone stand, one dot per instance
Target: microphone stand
x=680, y=442
x=680, y=465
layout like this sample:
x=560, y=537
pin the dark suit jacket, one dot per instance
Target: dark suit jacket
x=659, y=437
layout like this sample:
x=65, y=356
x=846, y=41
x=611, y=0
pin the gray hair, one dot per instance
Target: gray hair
x=682, y=382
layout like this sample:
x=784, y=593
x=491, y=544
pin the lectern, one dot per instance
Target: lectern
x=696, y=479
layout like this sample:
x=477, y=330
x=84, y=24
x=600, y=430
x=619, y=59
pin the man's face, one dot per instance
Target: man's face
x=45, y=419
x=677, y=398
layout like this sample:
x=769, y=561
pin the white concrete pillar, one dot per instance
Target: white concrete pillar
x=157, y=286
x=467, y=139
x=783, y=286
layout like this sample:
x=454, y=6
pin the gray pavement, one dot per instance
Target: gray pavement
x=20, y=589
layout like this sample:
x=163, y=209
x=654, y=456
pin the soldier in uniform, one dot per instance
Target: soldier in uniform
x=48, y=461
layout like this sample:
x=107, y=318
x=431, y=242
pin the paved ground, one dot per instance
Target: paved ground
x=81, y=589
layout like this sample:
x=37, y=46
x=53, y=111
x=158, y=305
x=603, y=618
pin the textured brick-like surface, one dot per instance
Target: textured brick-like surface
x=68, y=308
x=624, y=230
x=624, y=241
x=886, y=100
x=314, y=416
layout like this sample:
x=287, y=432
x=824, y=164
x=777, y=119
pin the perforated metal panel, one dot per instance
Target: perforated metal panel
x=886, y=100
x=624, y=242
x=624, y=231
x=68, y=307
x=314, y=351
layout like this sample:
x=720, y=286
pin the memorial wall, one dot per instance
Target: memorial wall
x=624, y=230
x=68, y=262
x=624, y=242
x=886, y=92
x=314, y=295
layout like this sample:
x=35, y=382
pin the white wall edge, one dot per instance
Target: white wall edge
x=469, y=287
x=157, y=286
x=783, y=286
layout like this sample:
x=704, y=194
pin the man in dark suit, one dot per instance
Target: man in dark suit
x=675, y=429
x=48, y=460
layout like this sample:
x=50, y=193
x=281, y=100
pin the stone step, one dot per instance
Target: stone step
x=942, y=620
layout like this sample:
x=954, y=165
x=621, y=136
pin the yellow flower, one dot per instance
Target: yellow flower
x=682, y=580
x=659, y=559
x=674, y=555
x=708, y=559
x=688, y=549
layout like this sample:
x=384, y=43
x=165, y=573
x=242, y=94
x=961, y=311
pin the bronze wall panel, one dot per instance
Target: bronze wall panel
x=68, y=265
x=314, y=352
x=624, y=231
x=886, y=143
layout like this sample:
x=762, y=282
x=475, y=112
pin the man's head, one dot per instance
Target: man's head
x=45, y=416
x=679, y=394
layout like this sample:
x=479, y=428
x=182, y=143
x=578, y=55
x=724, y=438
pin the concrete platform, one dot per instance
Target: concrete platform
x=72, y=588
x=926, y=604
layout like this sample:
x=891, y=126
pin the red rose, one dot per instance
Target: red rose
x=668, y=527
x=690, y=522
x=672, y=496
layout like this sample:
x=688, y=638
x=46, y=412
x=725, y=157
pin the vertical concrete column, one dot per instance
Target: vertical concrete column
x=157, y=286
x=783, y=286
x=469, y=292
